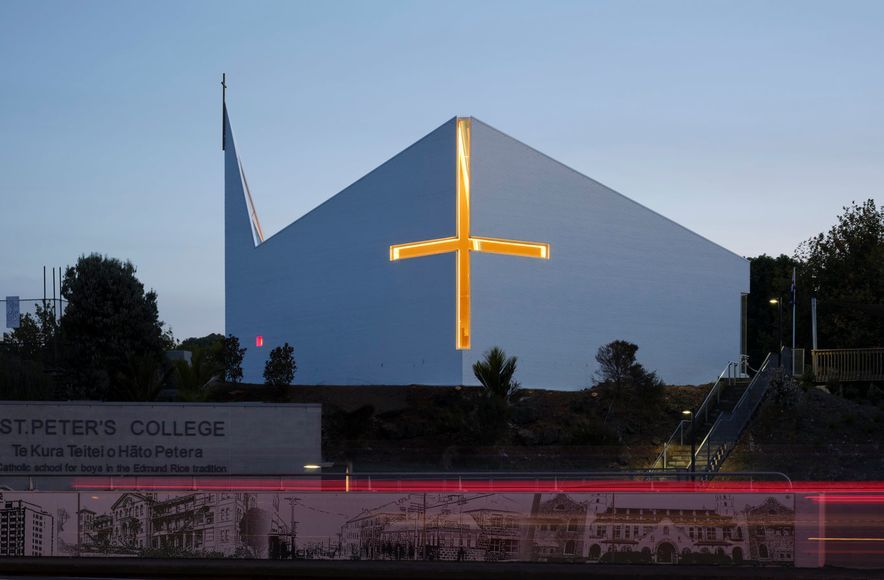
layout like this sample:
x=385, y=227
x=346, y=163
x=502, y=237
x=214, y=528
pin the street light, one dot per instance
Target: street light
x=779, y=303
x=348, y=468
x=690, y=418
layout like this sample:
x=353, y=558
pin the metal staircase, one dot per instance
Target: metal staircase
x=721, y=419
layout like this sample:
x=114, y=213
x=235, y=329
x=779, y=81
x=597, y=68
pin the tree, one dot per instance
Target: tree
x=210, y=342
x=618, y=365
x=192, y=380
x=231, y=359
x=769, y=278
x=35, y=337
x=142, y=378
x=279, y=370
x=495, y=372
x=616, y=360
x=847, y=266
x=108, y=320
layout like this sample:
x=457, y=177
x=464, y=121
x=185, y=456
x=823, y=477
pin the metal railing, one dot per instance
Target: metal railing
x=370, y=481
x=848, y=364
x=678, y=435
x=728, y=376
x=728, y=428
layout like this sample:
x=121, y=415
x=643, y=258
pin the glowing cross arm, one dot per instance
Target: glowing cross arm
x=426, y=248
x=510, y=247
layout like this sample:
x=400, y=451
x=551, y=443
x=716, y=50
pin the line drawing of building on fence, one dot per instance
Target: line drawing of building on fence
x=26, y=529
x=223, y=523
x=436, y=527
x=544, y=527
x=560, y=528
x=723, y=534
x=771, y=532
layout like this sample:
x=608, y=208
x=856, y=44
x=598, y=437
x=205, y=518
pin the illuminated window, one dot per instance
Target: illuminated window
x=463, y=242
x=259, y=341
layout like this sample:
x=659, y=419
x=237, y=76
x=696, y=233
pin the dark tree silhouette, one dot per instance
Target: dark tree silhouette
x=279, y=370
x=495, y=372
x=231, y=359
x=108, y=320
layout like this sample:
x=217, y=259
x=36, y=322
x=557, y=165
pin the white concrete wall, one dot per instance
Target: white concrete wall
x=617, y=271
x=325, y=283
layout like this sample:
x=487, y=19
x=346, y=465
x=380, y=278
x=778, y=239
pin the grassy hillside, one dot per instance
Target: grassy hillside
x=385, y=428
x=810, y=434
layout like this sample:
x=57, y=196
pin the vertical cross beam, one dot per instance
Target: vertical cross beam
x=462, y=341
x=462, y=243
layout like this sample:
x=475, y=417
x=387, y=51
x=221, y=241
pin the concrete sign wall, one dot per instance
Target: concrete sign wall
x=157, y=439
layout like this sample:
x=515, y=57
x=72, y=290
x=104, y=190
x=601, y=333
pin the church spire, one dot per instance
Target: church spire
x=223, y=111
x=236, y=187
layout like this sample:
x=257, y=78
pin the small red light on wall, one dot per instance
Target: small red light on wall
x=259, y=341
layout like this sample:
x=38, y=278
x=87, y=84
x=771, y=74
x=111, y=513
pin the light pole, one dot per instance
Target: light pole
x=318, y=467
x=779, y=303
x=690, y=415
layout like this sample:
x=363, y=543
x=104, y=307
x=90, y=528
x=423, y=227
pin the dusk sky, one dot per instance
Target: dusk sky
x=751, y=123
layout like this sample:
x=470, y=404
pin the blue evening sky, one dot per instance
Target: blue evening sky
x=751, y=123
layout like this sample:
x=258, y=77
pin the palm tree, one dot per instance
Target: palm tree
x=142, y=378
x=194, y=379
x=495, y=371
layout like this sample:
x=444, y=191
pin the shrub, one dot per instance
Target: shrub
x=618, y=365
x=23, y=380
x=279, y=370
x=616, y=360
x=495, y=372
x=231, y=359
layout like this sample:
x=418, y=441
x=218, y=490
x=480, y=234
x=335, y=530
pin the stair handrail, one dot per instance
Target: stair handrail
x=737, y=410
x=679, y=429
x=716, y=390
x=705, y=442
x=755, y=380
x=661, y=457
x=725, y=416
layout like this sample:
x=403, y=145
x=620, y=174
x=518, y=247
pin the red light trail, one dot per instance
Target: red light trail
x=365, y=484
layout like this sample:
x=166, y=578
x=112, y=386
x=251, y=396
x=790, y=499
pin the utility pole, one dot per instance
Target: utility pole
x=780, y=332
x=293, y=530
x=813, y=311
x=779, y=303
x=794, y=304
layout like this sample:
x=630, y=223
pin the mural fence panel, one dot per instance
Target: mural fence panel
x=604, y=527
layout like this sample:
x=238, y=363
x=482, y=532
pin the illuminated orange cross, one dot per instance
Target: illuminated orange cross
x=463, y=243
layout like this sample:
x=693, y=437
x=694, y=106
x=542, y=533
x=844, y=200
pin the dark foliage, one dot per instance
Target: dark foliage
x=211, y=342
x=279, y=370
x=771, y=278
x=35, y=338
x=231, y=359
x=847, y=266
x=108, y=320
x=495, y=372
x=24, y=380
x=616, y=360
x=620, y=367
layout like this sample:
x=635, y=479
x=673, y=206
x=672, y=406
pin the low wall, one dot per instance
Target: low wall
x=588, y=528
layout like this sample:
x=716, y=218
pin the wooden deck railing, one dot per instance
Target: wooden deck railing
x=849, y=364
